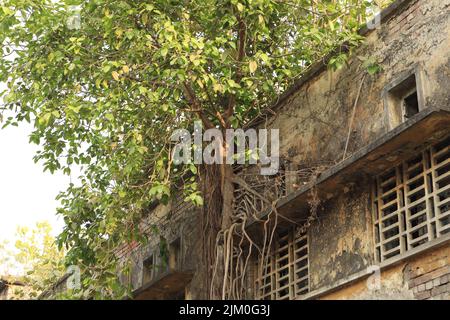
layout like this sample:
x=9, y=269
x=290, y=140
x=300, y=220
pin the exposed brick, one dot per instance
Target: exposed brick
x=402, y=16
x=396, y=29
x=421, y=288
x=445, y=279
x=436, y=282
x=422, y=279
x=438, y=290
x=413, y=8
x=429, y=285
x=423, y=295
x=431, y=275
x=440, y=272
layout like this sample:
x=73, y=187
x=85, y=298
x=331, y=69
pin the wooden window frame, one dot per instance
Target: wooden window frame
x=286, y=273
x=411, y=202
x=398, y=89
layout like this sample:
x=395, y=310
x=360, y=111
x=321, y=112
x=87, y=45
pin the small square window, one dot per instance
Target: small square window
x=402, y=98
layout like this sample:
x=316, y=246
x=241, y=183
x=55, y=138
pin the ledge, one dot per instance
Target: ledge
x=167, y=284
x=359, y=276
x=399, y=144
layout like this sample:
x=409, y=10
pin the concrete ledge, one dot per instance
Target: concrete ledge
x=164, y=285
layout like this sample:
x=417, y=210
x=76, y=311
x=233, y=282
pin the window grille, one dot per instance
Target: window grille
x=285, y=274
x=411, y=202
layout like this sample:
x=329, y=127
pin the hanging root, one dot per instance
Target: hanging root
x=211, y=225
x=234, y=249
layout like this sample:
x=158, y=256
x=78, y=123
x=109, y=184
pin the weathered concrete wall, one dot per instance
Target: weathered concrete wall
x=341, y=239
x=3, y=291
x=314, y=122
x=417, y=37
x=177, y=220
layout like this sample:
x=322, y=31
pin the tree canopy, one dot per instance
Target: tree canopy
x=107, y=94
x=34, y=260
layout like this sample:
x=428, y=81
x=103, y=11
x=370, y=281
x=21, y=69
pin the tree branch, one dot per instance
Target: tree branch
x=242, y=35
x=196, y=106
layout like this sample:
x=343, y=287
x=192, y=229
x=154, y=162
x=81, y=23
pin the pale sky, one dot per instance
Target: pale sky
x=27, y=194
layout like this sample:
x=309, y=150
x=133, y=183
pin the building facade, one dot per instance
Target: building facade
x=374, y=221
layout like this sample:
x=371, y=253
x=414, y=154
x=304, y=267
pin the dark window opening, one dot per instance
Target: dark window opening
x=411, y=105
x=180, y=295
x=175, y=254
x=402, y=99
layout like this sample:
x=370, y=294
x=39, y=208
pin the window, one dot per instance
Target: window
x=410, y=104
x=149, y=269
x=403, y=98
x=411, y=202
x=174, y=255
x=285, y=274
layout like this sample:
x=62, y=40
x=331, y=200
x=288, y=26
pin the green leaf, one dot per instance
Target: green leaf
x=252, y=66
x=115, y=75
x=109, y=95
x=8, y=11
x=373, y=69
x=142, y=90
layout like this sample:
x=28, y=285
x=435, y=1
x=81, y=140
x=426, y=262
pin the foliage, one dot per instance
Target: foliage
x=106, y=96
x=35, y=261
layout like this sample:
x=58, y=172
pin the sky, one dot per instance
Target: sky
x=27, y=194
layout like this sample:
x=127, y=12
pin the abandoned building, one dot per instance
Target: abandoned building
x=3, y=289
x=8, y=288
x=381, y=145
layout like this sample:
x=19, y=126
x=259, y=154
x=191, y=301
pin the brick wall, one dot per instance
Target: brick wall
x=430, y=278
x=424, y=276
x=434, y=284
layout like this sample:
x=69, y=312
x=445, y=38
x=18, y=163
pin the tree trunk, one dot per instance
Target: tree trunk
x=227, y=189
x=211, y=224
x=218, y=192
